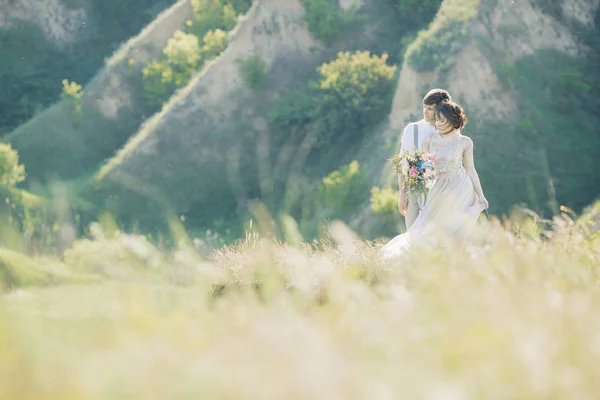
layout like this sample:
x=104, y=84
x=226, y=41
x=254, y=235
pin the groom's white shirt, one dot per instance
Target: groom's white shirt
x=408, y=142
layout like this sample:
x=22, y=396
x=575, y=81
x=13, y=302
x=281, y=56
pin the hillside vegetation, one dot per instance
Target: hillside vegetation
x=299, y=105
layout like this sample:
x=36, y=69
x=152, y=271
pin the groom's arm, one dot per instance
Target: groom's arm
x=405, y=144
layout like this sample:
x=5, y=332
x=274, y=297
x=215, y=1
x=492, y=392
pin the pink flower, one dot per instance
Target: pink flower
x=413, y=171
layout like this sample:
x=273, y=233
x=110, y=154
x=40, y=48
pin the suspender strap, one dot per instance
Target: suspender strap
x=416, y=136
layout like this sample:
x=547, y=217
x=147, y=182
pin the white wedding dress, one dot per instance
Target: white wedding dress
x=452, y=206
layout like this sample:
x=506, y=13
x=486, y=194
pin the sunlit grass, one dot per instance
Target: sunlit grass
x=512, y=315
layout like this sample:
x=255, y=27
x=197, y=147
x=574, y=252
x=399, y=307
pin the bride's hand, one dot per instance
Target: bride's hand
x=402, y=205
x=485, y=203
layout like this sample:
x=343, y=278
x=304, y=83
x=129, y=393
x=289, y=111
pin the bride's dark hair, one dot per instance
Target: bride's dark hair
x=453, y=113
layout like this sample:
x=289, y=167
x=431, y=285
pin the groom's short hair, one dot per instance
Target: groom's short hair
x=436, y=96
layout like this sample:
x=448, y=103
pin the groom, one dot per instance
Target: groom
x=413, y=138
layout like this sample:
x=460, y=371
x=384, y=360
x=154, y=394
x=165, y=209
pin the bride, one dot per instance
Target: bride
x=456, y=199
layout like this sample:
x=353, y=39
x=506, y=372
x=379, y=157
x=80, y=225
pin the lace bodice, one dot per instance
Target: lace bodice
x=452, y=154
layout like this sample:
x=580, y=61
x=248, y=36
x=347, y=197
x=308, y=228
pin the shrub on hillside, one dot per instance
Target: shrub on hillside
x=384, y=201
x=326, y=21
x=418, y=10
x=11, y=172
x=214, y=43
x=186, y=52
x=436, y=51
x=343, y=190
x=183, y=49
x=162, y=77
x=384, y=216
x=183, y=55
x=446, y=36
x=73, y=92
x=157, y=82
x=253, y=71
x=337, y=196
x=211, y=15
x=355, y=88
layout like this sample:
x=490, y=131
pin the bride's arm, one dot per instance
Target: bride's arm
x=469, y=164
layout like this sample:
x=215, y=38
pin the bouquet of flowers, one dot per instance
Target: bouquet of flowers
x=418, y=169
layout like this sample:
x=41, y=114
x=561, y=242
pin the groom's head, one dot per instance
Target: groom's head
x=431, y=100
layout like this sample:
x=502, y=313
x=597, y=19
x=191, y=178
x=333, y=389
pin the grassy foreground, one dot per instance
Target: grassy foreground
x=510, y=317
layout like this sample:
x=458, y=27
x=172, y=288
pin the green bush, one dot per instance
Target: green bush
x=436, y=46
x=418, y=10
x=158, y=83
x=384, y=218
x=357, y=80
x=395, y=24
x=214, y=43
x=183, y=50
x=253, y=71
x=162, y=77
x=343, y=190
x=71, y=90
x=211, y=15
x=18, y=270
x=326, y=21
x=27, y=222
x=11, y=172
x=384, y=201
x=436, y=51
x=185, y=53
x=336, y=196
x=355, y=90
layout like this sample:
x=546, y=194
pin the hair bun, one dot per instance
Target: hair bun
x=453, y=113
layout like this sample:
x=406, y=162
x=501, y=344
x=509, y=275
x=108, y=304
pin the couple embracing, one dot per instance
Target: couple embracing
x=455, y=199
